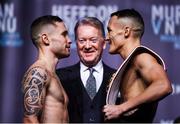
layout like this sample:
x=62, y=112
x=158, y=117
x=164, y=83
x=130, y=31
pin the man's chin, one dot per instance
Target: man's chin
x=67, y=55
x=112, y=52
x=64, y=56
x=89, y=62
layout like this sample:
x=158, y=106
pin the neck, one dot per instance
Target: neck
x=127, y=49
x=48, y=60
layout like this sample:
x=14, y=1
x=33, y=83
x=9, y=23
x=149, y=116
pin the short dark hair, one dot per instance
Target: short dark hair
x=92, y=21
x=134, y=15
x=40, y=22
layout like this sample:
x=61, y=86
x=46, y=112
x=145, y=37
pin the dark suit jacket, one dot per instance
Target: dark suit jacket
x=71, y=81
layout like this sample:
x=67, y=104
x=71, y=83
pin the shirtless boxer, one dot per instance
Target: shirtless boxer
x=143, y=80
x=44, y=97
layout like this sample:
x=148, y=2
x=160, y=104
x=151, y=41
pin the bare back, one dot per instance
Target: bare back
x=44, y=97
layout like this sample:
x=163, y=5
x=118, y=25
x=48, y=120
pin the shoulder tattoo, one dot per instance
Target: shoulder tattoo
x=34, y=83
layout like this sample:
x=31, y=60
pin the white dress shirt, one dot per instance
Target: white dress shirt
x=98, y=74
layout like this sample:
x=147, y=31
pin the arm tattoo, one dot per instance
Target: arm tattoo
x=33, y=87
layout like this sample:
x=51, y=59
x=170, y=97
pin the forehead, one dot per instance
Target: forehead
x=88, y=27
x=60, y=26
x=114, y=22
x=88, y=30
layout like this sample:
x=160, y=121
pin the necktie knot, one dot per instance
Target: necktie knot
x=91, y=70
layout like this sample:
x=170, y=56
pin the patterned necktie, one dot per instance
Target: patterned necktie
x=91, y=84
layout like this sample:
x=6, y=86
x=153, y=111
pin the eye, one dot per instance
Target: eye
x=81, y=41
x=109, y=30
x=65, y=33
x=94, y=40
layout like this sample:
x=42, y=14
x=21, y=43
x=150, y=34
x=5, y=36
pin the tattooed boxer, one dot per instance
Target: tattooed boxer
x=44, y=97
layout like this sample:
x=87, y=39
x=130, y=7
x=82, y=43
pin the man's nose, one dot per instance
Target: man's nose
x=69, y=40
x=88, y=44
x=107, y=38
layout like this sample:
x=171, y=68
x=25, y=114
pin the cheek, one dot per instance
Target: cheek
x=80, y=50
x=79, y=47
x=115, y=41
x=113, y=45
x=98, y=46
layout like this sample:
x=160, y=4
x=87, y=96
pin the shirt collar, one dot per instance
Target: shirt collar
x=97, y=67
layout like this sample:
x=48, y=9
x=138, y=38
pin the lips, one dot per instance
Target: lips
x=68, y=46
x=107, y=41
x=89, y=53
x=85, y=51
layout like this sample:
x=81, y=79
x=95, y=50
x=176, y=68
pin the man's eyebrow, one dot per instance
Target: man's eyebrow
x=64, y=33
x=109, y=29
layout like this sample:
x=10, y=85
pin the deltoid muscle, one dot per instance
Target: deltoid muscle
x=34, y=83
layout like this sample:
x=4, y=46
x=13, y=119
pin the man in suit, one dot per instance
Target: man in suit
x=86, y=101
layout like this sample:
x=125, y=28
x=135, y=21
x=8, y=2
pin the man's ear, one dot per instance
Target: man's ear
x=45, y=39
x=127, y=32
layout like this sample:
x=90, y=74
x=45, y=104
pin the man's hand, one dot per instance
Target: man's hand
x=112, y=111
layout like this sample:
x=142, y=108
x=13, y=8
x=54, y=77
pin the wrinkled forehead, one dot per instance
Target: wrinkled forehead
x=89, y=29
x=86, y=26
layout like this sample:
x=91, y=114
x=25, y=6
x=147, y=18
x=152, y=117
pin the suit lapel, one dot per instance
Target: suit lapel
x=105, y=81
x=78, y=87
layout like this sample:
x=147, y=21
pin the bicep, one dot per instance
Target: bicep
x=154, y=75
x=34, y=91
